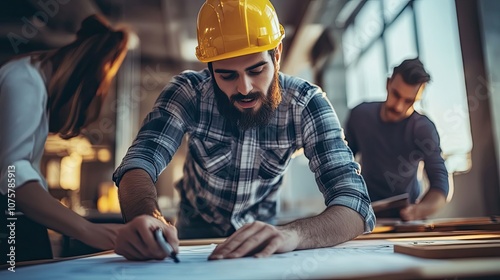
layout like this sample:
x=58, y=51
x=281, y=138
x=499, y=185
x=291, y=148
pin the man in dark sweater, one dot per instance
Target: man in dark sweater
x=393, y=139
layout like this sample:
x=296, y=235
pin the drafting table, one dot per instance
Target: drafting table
x=367, y=258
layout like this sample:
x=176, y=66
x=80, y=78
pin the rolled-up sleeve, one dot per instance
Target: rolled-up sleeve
x=337, y=174
x=161, y=133
x=22, y=101
x=154, y=147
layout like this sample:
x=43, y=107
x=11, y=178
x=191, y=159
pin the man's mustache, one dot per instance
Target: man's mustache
x=393, y=111
x=251, y=95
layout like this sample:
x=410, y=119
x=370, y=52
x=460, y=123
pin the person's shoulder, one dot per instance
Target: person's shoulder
x=422, y=119
x=22, y=79
x=190, y=82
x=422, y=124
x=195, y=75
x=20, y=69
x=298, y=91
x=366, y=108
x=22, y=86
x=193, y=78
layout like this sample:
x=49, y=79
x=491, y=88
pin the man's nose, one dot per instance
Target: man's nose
x=399, y=107
x=244, y=85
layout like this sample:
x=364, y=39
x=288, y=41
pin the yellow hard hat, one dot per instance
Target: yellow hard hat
x=231, y=28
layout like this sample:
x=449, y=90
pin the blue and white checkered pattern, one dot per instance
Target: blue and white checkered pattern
x=231, y=176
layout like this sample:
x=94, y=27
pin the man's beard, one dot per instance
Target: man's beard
x=249, y=118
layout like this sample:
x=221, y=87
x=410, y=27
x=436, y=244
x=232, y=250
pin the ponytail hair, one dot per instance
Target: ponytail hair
x=82, y=72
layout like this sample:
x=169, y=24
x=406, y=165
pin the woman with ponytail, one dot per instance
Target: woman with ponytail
x=58, y=91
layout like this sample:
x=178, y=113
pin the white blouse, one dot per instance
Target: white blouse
x=24, y=123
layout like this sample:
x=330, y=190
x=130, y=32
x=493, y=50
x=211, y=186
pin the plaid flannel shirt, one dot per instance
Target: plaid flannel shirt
x=232, y=176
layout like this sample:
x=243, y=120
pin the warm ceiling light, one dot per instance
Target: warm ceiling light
x=104, y=155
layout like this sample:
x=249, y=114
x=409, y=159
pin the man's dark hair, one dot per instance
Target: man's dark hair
x=412, y=71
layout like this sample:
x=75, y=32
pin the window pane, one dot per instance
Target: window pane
x=392, y=8
x=350, y=46
x=400, y=39
x=369, y=23
x=366, y=79
x=445, y=99
x=354, y=96
x=374, y=75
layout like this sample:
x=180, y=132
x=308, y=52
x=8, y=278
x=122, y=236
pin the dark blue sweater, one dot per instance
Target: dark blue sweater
x=391, y=152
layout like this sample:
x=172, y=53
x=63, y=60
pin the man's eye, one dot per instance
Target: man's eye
x=228, y=77
x=256, y=71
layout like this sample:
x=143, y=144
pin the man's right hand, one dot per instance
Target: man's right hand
x=136, y=240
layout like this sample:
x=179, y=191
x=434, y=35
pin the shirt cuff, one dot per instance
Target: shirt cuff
x=130, y=164
x=358, y=205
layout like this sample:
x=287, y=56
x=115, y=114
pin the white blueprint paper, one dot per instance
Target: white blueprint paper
x=350, y=259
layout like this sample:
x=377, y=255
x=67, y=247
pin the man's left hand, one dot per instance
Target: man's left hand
x=432, y=202
x=413, y=212
x=258, y=239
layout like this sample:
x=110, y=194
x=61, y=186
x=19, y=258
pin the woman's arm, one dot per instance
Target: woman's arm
x=38, y=205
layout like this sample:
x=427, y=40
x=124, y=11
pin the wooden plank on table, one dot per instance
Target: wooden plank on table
x=197, y=242
x=478, y=234
x=459, y=249
x=451, y=224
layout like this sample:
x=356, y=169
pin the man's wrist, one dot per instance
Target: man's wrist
x=158, y=215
